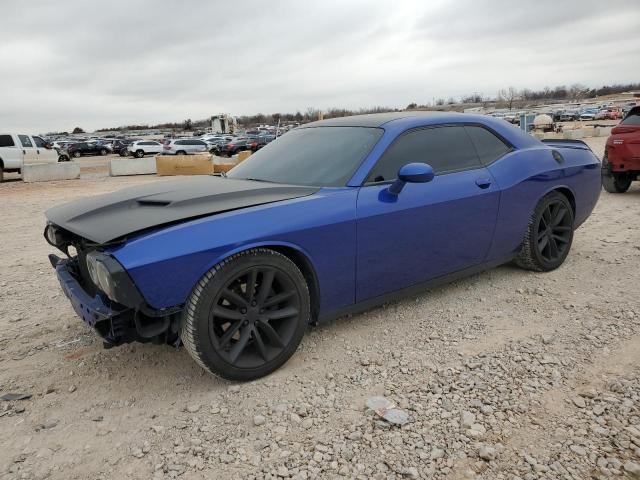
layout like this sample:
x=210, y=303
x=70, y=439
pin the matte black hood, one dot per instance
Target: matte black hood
x=104, y=218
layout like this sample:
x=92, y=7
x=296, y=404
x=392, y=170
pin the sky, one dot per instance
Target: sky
x=104, y=64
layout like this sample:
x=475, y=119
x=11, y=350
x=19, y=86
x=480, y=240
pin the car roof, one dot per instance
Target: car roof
x=376, y=119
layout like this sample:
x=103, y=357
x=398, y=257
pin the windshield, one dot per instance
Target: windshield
x=316, y=156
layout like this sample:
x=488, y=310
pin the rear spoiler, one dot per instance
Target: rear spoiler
x=566, y=143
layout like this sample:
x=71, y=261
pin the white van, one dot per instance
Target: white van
x=18, y=149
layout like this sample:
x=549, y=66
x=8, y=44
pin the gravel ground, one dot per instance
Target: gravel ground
x=504, y=375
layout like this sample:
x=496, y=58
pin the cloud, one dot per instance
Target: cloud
x=151, y=61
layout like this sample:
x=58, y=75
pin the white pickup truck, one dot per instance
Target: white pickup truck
x=18, y=149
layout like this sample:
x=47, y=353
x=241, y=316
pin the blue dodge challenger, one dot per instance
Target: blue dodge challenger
x=334, y=217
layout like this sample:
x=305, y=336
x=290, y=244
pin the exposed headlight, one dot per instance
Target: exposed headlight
x=50, y=233
x=100, y=275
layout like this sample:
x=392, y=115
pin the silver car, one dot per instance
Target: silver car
x=184, y=146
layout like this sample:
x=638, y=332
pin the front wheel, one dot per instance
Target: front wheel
x=103, y=152
x=139, y=153
x=616, y=182
x=247, y=315
x=549, y=235
x=76, y=154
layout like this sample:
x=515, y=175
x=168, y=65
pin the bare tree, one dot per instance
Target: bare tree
x=509, y=96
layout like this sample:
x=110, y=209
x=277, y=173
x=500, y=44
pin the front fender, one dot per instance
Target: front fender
x=166, y=264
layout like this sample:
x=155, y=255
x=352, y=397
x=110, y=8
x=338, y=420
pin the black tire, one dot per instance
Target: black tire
x=1, y=174
x=181, y=152
x=549, y=235
x=123, y=152
x=616, y=182
x=139, y=153
x=63, y=158
x=103, y=152
x=240, y=333
x=76, y=154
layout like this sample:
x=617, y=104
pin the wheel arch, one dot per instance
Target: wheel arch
x=1, y=163
x=302, y=260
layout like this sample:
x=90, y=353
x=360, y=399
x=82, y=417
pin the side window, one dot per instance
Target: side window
x=179, y=142
x=489, y=147
x=25, y=141
x=446, y=149
x=6, y=141
x=40, y=143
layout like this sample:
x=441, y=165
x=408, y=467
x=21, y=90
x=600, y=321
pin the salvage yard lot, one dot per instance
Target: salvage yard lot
x=504, y=373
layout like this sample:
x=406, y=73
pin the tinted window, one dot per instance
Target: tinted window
x=319, y=156
x=489, y=147
x=6, y=141
x=446, y=149
x=198, y=142
x=633, y=118
x=179, y=142
x=25, y=141
x=40, y=143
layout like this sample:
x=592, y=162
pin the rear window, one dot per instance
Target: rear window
x=633, y=118
x=6, y=141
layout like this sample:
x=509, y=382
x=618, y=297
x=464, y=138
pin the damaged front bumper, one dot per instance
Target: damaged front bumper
x=116, y=323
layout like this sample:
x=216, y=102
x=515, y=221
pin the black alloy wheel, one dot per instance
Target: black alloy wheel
x=549, y=234
x=139, y=153
x=247, y=315
x=254, y=317
x=554, y=231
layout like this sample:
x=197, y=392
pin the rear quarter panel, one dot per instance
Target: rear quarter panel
x=166, y=264
x=527, y=175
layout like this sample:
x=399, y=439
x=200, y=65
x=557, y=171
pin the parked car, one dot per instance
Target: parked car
x=77, y=150
x=588, y=114
x=610, y=114
x=569, y=115
x=17, y=149
x=121, y=147
x=145, y=147
x=234, y=146
x=184, y=147
x=260, y=142
x=621, y=162
x=336, y=216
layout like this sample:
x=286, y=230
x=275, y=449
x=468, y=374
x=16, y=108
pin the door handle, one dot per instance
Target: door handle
x=483, y=182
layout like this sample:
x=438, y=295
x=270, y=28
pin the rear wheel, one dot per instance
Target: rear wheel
x=549, y=235
x=103, y=152
x=76, y=154
x=1, y=174
x=616, y=182
x=123, y=152
x=247, y=315
x=181, y=152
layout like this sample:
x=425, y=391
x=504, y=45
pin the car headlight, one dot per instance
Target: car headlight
x=100, y=274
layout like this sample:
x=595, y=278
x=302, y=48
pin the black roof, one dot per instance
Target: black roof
x=369, y=120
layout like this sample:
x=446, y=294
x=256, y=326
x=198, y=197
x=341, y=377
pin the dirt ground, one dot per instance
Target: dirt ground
x=507, y=374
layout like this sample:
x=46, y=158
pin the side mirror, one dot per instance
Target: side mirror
x=411, y=173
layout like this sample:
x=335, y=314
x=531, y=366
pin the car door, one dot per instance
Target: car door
x=45, y=155
x=429, y=229
x=29, y=149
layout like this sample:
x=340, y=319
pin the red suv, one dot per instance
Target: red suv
x=621, y=162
